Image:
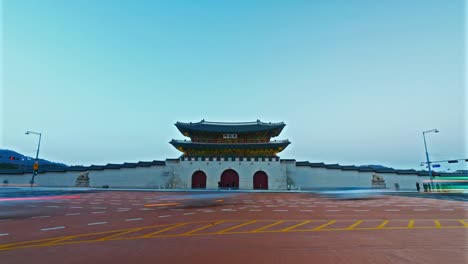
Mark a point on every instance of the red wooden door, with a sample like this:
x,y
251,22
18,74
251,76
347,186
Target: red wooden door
x,y
230,178
260,180
199,180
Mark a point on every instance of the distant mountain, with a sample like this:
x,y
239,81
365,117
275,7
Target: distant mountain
x,y
13,158
374,166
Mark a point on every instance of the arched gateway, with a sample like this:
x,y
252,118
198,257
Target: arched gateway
x,y
260,180
199,180
225,147
229,178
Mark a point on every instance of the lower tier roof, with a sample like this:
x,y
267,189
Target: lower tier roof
x,y
280,145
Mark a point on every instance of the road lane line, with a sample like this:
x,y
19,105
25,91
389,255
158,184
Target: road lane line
x,y
324,225
98,223
73,214
164,215
383,224
351,227
164,230
265,227
163,204
4,234
41,216
133,219
280,210
189,213
294,226
52,228
203,227
235,227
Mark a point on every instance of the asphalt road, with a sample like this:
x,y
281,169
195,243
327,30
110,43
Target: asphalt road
x,y
149,227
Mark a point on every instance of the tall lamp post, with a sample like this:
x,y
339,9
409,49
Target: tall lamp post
x,y
427,154
37,154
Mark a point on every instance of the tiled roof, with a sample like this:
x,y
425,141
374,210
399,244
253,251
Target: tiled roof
x,y
87,168
230,127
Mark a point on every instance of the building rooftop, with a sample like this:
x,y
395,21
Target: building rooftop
x,y
198,145
230,127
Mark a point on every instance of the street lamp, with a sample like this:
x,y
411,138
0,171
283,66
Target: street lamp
x,y
37,153
427,154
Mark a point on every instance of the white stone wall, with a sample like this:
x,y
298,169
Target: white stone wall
x,y
311,178
405,181
139,177
15,179
178,174
246,169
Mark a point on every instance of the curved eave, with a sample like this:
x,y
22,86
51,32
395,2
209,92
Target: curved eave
x,y
194,145
212,127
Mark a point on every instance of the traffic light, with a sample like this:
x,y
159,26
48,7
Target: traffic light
x,y
35,167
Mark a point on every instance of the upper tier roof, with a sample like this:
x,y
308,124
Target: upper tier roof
x,y
230,127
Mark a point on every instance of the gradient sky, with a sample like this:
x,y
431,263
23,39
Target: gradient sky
x,y
356,82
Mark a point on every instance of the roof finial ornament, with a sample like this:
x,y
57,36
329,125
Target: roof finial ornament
x,y
203,120
258,120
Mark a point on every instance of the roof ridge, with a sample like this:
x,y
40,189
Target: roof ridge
x,y
203,121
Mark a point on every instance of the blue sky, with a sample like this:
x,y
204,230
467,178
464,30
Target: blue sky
x,y
356,82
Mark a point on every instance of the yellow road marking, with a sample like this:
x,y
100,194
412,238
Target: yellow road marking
x,y
177,235
203,227
63,240
383,224
119,234
164,230
265,227
354,225
237,226
325,225
294,226
55,241
74,236
411,223
463,222
437,223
